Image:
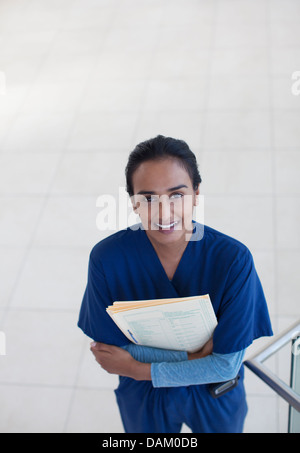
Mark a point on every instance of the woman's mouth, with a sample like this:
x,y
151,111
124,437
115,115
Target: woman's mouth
x,y
166,227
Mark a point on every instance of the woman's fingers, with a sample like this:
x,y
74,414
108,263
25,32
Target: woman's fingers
x,y
97,346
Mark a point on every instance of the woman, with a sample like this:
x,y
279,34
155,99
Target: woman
x,y
169,255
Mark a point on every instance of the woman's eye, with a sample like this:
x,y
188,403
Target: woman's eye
x,y
151,198
155,198
176,195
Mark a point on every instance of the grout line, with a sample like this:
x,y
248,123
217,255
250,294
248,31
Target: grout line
x,y
209,77
74,388
54,386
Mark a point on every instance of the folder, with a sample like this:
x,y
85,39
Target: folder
x,y
181,324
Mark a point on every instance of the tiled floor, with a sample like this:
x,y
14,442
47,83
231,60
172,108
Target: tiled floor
x,y
83,82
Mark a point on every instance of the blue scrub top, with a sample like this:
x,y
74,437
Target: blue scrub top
x,y
125,266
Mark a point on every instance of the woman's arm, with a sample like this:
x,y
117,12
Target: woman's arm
x,y
212,368
117,360
209,369
148,354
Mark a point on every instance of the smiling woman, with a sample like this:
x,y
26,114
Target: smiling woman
x,y
159,259
163,180
166,213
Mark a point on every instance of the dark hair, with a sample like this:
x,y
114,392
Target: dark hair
x,y
162,147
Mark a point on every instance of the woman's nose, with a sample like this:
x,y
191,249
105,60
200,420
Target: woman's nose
x,y
165,209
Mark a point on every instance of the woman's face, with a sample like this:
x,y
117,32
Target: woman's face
x,y
164,198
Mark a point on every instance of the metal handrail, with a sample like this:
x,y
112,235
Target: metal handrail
x,y
255,364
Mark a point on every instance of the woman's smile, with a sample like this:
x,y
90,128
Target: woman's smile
x,y
166,199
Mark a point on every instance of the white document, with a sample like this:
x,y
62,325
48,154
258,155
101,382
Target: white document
x,y
183,326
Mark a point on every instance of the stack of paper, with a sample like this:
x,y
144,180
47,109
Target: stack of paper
x,y
182,324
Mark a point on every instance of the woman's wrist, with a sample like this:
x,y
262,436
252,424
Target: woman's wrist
x,y
141,371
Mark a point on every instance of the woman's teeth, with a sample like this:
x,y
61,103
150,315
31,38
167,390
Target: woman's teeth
x,y
166,226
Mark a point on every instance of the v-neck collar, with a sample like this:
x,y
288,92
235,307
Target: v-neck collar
x,y
157,266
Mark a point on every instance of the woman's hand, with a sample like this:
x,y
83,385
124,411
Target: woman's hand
x,y
203,352
116,360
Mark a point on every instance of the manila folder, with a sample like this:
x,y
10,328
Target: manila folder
x,y
184,324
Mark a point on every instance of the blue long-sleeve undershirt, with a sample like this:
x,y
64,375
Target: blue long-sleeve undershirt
x,y
173,369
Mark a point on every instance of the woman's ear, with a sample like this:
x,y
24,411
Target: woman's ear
x,y
135,204
197,193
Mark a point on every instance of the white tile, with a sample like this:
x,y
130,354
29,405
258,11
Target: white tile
x,y
282,95
247,129
285,322
253,219
265,266
283,416
185,39
27,173
5,122
87,18
241,35
284,61
94,411
111,65
21,70
286,129
174,94
284,34
51,5
91,374
250,174
91,4
185,429
68,221
235,62
240,93
66,69
194,14
42,347
38,132
288,283
52,279
286,167
180,64
18,220
283,357
53,97
288,222
11,260
241,11
187,126
14,97
144,16
90,173
28,43
113,95
260,344
284,371
78,42
11,15
33,409
102,131
131,39
2,315
261,417
255,386
287,11
37,20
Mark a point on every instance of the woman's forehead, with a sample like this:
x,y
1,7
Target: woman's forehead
x,y
160,173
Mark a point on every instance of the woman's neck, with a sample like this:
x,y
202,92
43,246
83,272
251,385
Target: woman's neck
x,y
172,251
